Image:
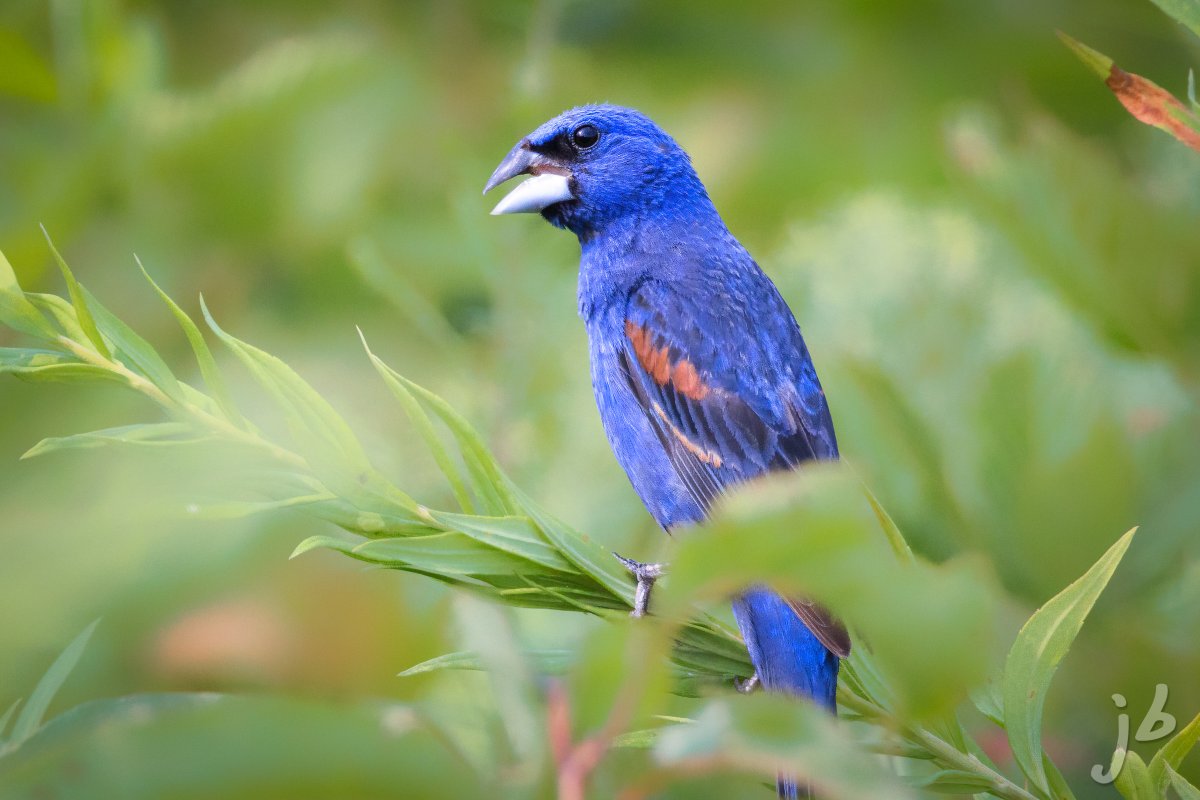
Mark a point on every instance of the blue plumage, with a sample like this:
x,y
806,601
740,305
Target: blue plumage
x,y
700,373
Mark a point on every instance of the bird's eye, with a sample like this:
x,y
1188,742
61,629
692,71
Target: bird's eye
x,y
585,136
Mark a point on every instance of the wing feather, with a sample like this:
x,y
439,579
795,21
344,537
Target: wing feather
x,y
720,426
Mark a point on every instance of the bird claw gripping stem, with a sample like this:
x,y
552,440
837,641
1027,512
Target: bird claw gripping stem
x,y
746,685
646,575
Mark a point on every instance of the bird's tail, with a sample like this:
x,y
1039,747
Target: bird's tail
x,y
787,657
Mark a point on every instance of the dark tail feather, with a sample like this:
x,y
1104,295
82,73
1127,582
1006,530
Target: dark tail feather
x,y
787,788
788,659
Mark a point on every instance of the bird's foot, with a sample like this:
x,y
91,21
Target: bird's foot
x,y
646,575
746,685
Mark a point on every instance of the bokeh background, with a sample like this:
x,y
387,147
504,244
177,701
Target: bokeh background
x,y
996,268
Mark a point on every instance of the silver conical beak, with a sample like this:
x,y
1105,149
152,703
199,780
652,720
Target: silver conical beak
x,y
550,184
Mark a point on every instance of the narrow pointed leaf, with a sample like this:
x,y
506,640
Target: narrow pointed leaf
x,y
516,535
240,510
253,747
1059,789
1096,61
765,735
1145,100
34,710
1171,754
322,434
204,357
31,364
1039,648
321,543
989,702
1133,781
7,716
1185,12
546,662
61,312
487,473
82,312
587,555
1182,786
452,553
161,434
890,529
16,311
132,350
952,781
643,739
420,419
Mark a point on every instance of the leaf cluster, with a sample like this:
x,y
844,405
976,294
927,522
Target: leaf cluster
x,y
921,631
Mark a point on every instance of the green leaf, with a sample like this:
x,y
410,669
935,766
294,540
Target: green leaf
x,y
812,533
31,364
7,716
1185,12
768,734
204,358
439,555
241,510
82,312
1145,100
516,535
1171,754
1059,789
486,629
487,477
952,781
61,312
16,311
894,536
418,417
132,350
159,434
321,543
31,715
637,740
450,553
989,701
326,441
1133,781
546,662
394,520
1039,648
1182,786
144,747
1096,61
589,557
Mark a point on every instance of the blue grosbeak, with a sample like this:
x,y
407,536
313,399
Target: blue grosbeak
x,y
700,373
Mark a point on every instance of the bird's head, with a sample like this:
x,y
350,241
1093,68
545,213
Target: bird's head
x,y
594,166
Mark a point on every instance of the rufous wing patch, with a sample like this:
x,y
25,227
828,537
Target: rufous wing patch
x,y
682,374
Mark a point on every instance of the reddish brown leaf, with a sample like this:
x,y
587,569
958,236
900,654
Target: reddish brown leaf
x,y
1154,105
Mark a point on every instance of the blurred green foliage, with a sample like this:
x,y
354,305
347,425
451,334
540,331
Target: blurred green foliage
x,y
994,266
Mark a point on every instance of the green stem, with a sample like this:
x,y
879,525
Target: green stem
x,y
949,755
217,424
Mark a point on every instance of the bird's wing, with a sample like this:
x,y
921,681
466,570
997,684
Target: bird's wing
x,y
730,395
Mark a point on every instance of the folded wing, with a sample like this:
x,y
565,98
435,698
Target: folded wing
x,y
726,404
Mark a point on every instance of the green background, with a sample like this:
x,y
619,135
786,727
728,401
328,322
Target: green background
x,y
996,268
